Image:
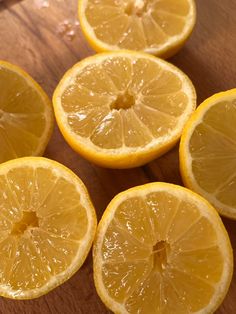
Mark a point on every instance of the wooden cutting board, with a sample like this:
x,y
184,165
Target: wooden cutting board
x,y
43,38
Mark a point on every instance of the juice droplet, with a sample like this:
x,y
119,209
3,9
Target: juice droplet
x,y
68,28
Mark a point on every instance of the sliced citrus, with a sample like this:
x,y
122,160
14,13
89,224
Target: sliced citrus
x,y
208,152
159,27
47,226
26,115
123,109
161,249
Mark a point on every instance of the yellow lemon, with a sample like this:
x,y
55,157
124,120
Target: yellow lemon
x,y
123,109
26,115
47,225
157,27
161,249
208,152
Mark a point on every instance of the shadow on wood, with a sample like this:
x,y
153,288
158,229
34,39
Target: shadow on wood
x,y
6,4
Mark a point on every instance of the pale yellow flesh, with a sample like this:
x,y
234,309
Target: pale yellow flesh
x,y
212,147
147,25
43,228
125,102
25,115
160,254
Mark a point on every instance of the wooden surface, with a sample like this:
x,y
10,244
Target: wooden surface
x,y
34,38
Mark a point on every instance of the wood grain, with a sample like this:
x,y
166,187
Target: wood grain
x,y
29,38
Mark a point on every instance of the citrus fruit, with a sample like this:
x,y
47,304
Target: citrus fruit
x,y
208,152
47,226
26,115
123,109
158,27
161,248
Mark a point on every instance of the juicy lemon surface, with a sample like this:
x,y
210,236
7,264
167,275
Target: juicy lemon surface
x,y
159,27
161,248
26,114
123,109
47,225
208,152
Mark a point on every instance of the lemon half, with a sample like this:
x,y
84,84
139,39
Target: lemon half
x,y
208,152
153,26
47,225
26,114
161,249
123,109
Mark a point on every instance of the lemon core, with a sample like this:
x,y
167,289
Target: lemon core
x,y
123,101
29,219
137,7
160,255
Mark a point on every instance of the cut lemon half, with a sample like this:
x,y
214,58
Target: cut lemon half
x,y
123,109
159,27
26,115
161,249
47,226
208,152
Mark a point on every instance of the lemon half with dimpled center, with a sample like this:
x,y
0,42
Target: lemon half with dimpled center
x,y
47,225
161,249
159,27
123,109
